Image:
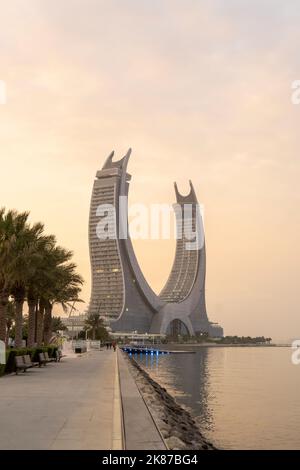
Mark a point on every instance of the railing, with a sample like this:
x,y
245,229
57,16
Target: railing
x,y
94,344
86,344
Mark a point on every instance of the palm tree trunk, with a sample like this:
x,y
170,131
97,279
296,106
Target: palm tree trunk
x,y
19,323
40,323
2,323
3,315
8,328
31,323
48,323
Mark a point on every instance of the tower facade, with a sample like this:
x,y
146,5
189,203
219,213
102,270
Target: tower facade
x,y
120,293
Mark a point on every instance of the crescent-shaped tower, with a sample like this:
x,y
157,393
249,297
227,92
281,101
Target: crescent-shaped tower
x,y
120,292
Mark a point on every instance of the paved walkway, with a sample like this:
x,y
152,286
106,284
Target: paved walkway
x,y
74,404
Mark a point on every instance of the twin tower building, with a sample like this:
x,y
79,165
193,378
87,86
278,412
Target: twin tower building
x,y
120,293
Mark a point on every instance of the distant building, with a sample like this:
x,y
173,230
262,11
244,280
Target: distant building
x,y
74,324
120,293
215,330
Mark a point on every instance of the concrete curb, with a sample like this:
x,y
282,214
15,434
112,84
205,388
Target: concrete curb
x,y
118,425
140,430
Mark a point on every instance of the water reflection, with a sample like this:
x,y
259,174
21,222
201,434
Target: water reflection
x,y
150,360
243,398
186,377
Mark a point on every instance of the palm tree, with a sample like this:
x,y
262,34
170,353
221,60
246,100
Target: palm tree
x,y
58,325
33,267
10,318
32,302
3,304
39,281
55,281
58,283
12,226
27,257
64,291
94,322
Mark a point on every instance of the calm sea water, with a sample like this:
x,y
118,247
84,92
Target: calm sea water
x,y
243,398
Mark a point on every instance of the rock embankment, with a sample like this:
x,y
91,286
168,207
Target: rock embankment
x,y
176,425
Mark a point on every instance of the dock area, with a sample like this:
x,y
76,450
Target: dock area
x,y
152,351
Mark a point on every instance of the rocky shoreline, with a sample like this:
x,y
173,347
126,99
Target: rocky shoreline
x,y
178,428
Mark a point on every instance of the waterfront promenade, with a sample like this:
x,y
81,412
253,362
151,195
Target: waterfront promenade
x,y
74,404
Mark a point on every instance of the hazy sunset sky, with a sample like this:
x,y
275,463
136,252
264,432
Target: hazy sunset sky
x,y
200,90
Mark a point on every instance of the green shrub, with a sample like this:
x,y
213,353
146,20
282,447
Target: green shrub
x,y
10,359
10,365
49,349
36,351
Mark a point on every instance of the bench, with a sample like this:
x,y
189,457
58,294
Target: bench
x,y
20,364
42,359
28,361
49,359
